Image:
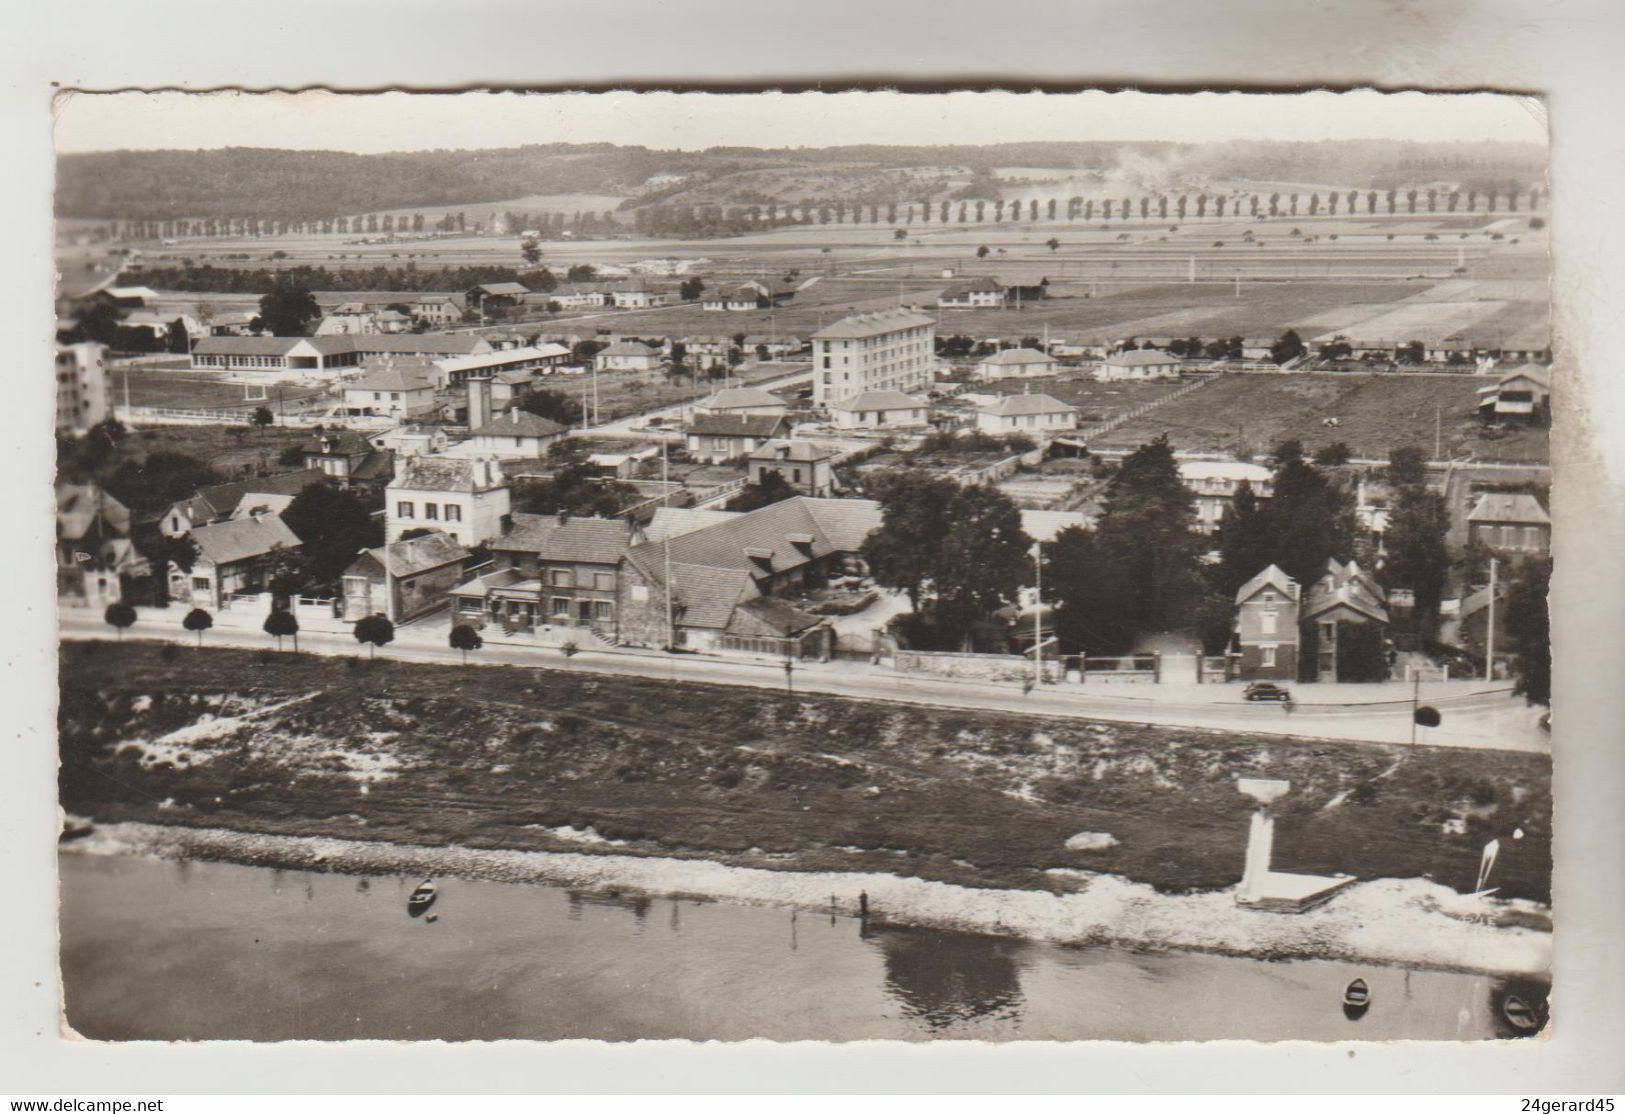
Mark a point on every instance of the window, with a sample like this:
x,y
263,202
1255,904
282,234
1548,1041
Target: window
x,y
561,607
603,581
562,578
200,584
403,509
603,611
640,593
454,513
431,512
1268,661
1267,623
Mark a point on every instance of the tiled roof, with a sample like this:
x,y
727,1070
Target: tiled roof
x,y
1511,507
388,375
506,289
737,398
344,442
1272,577
1532,372
736,425
1346,586
879,400
396,344
784,618
220,500
983,285
442,473
1011,405
835,525
861,325
426,344
628,348
481,585
519,423
596,541
672,522
239,539
419,554
804,451
1139,357
78,507
1020,356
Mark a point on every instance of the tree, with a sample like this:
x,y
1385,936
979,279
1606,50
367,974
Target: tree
x,y
332,526
981,252
119,615
531,252
906,549
160,480
1407,466
1288,347
771,488
983,560
581,272
261,417
281,623
690,289
1330,456
1418,557
1311,518
1246,542
1528,622
198,620
287,308
465,638
178,340
375,631
1145,534
556,405
1052,242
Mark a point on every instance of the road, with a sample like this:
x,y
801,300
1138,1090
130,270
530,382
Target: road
x,y
1475,720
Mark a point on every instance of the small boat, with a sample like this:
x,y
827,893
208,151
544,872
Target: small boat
x,y
1519,1015
1356,998
421,898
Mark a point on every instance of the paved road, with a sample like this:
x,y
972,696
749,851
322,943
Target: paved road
x,y
1494,720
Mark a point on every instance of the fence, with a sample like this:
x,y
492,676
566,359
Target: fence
x,y
1127,416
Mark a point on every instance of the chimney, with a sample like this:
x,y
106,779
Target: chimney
x,y
479,403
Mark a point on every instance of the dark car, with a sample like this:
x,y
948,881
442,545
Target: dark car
x,y
1264,690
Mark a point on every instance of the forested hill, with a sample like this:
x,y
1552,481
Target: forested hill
x,y
305,185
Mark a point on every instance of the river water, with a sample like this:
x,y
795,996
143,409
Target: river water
x,y
172,950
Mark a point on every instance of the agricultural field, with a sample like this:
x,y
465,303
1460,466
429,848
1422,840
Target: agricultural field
x,y
1248,414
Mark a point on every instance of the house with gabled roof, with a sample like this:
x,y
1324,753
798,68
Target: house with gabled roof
x,y
349,459
232,557
1033,414
629,355
700,588
404,580
467,498
881,410
807,467
93,545
742,400
717,438
1522,394
976,293
518,433
1343,624
392,389
1139,363
219,502
1512,523
1265,634
550,571
1017,363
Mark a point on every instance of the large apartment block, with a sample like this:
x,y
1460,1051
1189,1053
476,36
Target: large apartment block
x,y
82,388
888,350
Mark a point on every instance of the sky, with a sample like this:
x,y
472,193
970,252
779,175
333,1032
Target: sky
x,y
374,122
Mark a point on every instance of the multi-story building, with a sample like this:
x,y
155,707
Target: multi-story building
x,y
1266,628
466,499
81,387
1213,485
888,350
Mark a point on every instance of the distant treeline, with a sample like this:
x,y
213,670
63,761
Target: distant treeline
x,y
283,185
233,280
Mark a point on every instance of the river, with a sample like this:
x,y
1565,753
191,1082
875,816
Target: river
x,y
175,950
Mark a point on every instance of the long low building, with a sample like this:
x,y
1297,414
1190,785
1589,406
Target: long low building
x,y
318,355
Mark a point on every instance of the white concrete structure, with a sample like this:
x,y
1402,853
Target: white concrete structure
x,y
389,391
1034,415
81,387
466,498
888,350
1017,363
1139,363
881,410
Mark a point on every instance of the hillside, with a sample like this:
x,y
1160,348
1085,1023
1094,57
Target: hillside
x,y
282,185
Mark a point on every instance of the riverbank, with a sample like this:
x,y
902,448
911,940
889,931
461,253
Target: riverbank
x,y
534,759
1408,923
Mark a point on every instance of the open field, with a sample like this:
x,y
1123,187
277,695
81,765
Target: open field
x,y
229,450
266,742
1249,414
194,390
1097,401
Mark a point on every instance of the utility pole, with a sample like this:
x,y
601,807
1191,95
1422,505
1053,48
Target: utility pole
x,y
1438,450
1038,613
1416,699
1489,635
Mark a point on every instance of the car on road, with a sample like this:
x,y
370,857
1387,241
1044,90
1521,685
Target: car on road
x,y
1264,690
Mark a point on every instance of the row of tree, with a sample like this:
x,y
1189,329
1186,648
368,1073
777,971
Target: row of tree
x,y
713,219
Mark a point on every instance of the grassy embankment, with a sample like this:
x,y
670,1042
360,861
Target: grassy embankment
x,y
434,755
